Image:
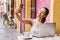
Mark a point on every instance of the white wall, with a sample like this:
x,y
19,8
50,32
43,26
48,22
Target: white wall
x,y
51,10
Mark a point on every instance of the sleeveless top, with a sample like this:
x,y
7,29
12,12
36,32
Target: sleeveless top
x,y
35,28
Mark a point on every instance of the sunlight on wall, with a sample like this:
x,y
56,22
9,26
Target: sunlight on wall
x,y
27,14
51,10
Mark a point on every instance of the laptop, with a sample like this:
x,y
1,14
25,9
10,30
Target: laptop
x,y
46,30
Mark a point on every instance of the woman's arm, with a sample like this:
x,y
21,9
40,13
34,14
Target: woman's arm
x,y
23,20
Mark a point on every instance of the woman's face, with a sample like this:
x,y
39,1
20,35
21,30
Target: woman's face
x,y
42,13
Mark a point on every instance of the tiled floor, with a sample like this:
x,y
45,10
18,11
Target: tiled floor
x,y
7,33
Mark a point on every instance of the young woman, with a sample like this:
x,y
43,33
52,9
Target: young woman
x,y
41,18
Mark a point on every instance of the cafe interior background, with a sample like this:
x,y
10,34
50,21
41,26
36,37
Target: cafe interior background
x,y
30,10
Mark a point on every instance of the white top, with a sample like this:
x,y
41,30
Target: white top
x,y
34,29
1,8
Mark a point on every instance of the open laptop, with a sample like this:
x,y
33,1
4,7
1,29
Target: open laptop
x,y
46,30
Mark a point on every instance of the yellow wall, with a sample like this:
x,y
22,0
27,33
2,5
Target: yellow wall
x,y
16,5
27,14
56,15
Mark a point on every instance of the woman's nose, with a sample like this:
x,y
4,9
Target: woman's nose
x,y
42,14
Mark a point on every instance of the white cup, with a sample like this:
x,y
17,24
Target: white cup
x,y
27,34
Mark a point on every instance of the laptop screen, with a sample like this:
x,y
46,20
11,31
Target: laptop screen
x,y
46,29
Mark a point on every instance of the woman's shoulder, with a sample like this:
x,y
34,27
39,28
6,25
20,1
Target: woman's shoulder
x,y
34,20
